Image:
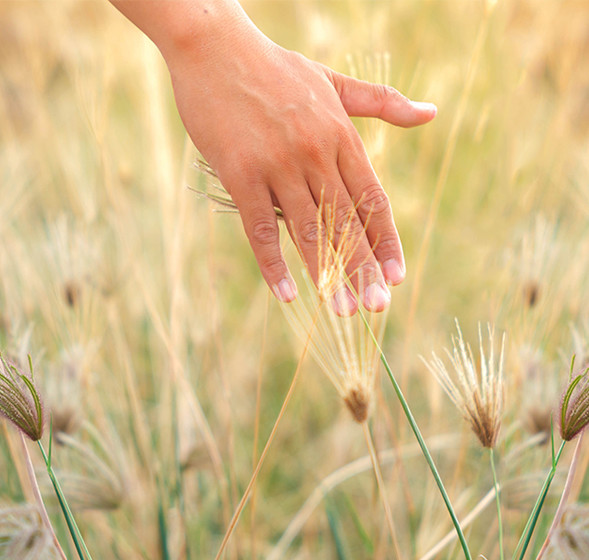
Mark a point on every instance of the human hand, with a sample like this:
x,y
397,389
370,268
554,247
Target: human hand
x,y
275,127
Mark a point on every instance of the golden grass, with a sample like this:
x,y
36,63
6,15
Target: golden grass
x,y
145,314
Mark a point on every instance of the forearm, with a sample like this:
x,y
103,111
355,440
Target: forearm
x,y
176,26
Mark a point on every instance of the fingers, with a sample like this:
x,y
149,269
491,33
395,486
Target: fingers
x,y
261,227
308,231
350,239
364,99
374,209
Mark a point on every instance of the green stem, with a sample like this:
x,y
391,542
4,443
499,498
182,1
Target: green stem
x,y
420,441
79,543
524,541
498,502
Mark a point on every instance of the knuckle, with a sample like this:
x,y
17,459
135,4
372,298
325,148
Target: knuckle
x,y
345,221
271,263
264,232
374,200
387,245
315,150
308,231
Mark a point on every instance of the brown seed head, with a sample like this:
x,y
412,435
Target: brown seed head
x,y
357,399
574,406
20,403
538,420
339,342
478,392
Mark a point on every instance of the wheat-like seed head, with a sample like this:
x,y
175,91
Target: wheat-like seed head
x,y
477,391
339,342
20,403
574,406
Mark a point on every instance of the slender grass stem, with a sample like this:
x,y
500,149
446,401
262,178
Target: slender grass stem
x,y
565,495
253,504
485,501
524,540
421,441
497,501
381,488
79,543
39,497
248,490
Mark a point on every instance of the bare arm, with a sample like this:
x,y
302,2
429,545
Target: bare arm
x,y
275,127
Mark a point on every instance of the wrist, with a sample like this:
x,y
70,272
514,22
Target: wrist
x,y
198,29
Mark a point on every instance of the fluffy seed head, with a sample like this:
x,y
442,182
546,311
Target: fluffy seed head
x,y
23,534
478,392
96,479
570,540
20,403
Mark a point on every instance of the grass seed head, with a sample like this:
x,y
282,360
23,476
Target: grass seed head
x,y
20,402
574,405
538,420
570,540
339,341
358,399
23,534
478,389
96,479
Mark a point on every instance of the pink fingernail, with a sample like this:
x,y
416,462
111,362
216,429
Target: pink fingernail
x,y
423,106
393,272
285,290
376,297
344,303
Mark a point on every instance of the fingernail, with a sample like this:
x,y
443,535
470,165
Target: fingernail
x,y
344,303
393,272
285,290
423,106
376,297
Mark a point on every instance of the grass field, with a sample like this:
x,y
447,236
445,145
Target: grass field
x,y
163,358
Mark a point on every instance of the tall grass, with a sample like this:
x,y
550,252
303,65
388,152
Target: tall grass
x,y
161,359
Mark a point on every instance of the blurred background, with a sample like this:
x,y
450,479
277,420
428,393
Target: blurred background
x,y
161,355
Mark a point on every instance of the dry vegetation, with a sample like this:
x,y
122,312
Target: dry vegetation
x,y
164,361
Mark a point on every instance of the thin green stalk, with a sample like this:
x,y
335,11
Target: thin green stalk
x,y
564,497
38,498
79,543
524,540
498,501
421,441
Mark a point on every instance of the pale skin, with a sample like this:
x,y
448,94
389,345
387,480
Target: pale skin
x,y
275,127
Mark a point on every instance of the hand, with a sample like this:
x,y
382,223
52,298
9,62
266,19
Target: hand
x,y
275,127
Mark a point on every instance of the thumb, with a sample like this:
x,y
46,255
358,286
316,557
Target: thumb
x,y
364,99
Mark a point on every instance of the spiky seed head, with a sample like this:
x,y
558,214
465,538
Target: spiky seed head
x,y
20,402
339,341
478,393
23,534
99,481
574,405
570,539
